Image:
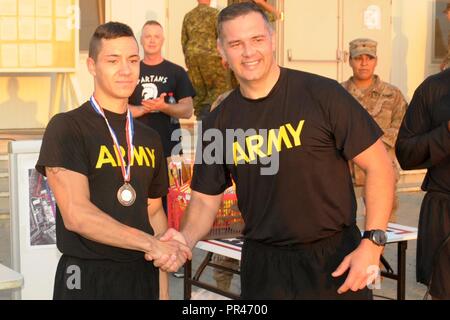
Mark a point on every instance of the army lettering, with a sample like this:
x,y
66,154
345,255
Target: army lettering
x,y
286,137
143,156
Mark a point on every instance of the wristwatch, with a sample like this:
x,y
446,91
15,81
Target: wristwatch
x,y
376,236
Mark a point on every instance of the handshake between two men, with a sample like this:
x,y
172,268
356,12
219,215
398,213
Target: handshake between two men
x,y
170,251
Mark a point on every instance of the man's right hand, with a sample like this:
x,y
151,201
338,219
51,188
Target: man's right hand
x,y
170,251
169,254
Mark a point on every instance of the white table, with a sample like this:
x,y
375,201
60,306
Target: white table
x,y
396,233
9,279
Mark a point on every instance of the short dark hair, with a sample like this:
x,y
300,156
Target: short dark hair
x,y
109,30
237,10
152,23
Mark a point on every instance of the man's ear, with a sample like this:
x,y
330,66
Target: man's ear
x,y
91,66
273,38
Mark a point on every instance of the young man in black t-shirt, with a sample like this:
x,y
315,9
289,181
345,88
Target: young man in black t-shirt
x,y
157,79
108,175
301,238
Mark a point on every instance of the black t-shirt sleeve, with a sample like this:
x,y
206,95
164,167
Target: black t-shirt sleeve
x,y
209,178
184,86
422,143
353,128
160,182
63,146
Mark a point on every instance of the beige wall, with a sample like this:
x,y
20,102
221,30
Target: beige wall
x,y
411,43
24,101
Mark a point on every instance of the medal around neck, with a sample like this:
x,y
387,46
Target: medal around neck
x,y
126,195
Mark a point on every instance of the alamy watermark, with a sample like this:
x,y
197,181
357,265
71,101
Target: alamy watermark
x,y
73,281
236,147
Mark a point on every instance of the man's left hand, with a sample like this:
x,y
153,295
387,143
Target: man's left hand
x,y
360,262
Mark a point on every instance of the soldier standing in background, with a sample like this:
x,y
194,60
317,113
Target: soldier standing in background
x,y
205,69
158,78
444,64
384,102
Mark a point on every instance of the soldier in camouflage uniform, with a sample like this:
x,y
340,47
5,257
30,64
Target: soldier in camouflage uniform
x,y
444,64
199,41
384,102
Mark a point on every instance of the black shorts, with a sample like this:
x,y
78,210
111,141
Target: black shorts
x,y
300,271
81,279
434,227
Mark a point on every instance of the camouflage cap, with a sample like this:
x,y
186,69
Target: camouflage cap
x,y
447,8
363,46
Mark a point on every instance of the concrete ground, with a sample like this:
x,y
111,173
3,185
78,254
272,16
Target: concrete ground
x,y
408,215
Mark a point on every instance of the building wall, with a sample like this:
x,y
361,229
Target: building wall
x,y
412,22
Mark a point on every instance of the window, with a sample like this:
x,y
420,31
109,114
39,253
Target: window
x,y
441,31
92,14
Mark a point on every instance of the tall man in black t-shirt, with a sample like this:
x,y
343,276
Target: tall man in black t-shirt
x,y
108,175
301,238
157,79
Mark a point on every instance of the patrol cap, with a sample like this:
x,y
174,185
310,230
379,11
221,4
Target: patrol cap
x,y
447,8
363,46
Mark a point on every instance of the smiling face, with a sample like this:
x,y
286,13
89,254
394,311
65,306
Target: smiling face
x,y
363,67
116,68
248,46
152,39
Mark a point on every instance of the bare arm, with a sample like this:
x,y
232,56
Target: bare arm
x,y
81,216
380,185
199,216
379,193
158,221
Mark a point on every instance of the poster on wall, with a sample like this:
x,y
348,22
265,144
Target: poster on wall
x,y
33,233
42,211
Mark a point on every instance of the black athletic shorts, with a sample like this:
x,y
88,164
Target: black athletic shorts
x,y
81,279
433,259
300,271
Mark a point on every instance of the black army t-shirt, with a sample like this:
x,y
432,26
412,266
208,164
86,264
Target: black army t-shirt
x,y
79,141
165,77
315,127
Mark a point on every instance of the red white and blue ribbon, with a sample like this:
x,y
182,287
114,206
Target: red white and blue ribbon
x,y
129,132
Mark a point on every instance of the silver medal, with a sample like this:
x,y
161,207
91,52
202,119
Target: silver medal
x,y
126,195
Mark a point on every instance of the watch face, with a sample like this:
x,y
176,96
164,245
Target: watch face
x,y
379,237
